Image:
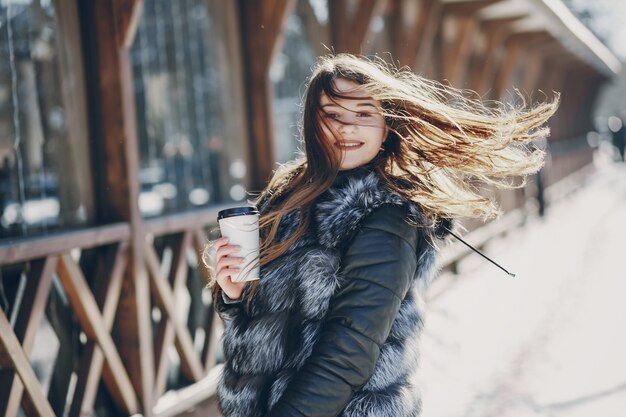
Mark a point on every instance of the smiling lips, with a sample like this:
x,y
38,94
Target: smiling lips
x,y
349,145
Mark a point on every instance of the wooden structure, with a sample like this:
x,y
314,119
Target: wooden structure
x,y
124,277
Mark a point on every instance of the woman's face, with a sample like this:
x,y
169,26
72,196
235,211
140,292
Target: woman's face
x,y
355,127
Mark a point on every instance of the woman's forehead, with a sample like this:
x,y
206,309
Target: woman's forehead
x,y
351,104
355,96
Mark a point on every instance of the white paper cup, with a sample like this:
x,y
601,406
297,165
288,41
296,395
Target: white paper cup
x,y
241,226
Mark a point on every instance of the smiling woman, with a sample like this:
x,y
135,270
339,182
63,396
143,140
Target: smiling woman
x,y
349,236
354,125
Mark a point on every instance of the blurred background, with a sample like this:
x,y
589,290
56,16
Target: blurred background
x,y
126,125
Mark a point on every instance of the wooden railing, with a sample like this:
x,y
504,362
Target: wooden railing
x,y
87,268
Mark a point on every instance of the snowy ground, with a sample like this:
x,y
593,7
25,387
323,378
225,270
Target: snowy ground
x,y
550,342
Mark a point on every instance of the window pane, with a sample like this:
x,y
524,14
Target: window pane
x,y
304,32
44,159
190,121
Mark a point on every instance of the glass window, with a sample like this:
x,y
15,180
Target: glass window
x,y
190,113
305,32
45,180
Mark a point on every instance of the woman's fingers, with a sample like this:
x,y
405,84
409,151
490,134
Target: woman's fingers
x,y
219,242
232,289
227,261
223,259
227,250
224,276
227,266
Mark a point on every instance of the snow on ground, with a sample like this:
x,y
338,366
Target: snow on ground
x,y
550,342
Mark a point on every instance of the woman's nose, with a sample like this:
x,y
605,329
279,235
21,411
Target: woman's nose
x,y
346,127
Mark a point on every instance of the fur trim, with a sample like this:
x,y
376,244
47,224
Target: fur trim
x,y
274,332
339,216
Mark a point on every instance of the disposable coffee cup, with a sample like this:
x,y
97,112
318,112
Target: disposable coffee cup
x,y
241,226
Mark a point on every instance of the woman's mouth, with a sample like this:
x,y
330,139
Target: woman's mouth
x,y
348,146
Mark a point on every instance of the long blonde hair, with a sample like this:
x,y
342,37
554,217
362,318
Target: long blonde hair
x,y
441,145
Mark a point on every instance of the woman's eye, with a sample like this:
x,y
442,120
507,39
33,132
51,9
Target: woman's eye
x,y
363,115
331,115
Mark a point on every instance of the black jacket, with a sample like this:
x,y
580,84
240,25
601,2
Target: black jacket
x,y
332,327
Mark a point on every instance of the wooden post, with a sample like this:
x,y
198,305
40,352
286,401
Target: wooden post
x,y
407,39
495,32
349,31
13,357
554,79
39,279
508,65
431,21
456,58
261,26
114,23
532,69
318,34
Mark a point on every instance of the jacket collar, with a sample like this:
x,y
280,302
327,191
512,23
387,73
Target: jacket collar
x,y
352,197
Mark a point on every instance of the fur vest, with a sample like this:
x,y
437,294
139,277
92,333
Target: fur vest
x,y
297,288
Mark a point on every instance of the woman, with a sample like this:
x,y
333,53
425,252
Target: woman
x,y
349,236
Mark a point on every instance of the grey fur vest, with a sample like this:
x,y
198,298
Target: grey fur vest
x,y
268,338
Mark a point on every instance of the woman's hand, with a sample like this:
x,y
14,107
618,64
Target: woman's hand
x,y
226,266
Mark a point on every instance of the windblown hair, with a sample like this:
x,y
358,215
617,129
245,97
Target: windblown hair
x,y
441,145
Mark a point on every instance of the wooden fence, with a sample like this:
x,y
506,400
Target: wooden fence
x,y
90,267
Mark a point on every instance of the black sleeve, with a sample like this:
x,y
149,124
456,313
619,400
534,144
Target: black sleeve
x,y
378,267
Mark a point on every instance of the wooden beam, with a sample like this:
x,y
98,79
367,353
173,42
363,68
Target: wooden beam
x,y
318,34
530,37
507,67
176,403
516,44
165,335
12,356
431,22
180,222
213,325
466,7
166,302
495,32
501,23
31,308
275,12
590,81
116,123
136,328
406,38
349,32
261,25
532,69
107,289
533,63
117,117
37,247
93,324
456,57
127,15
567,60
